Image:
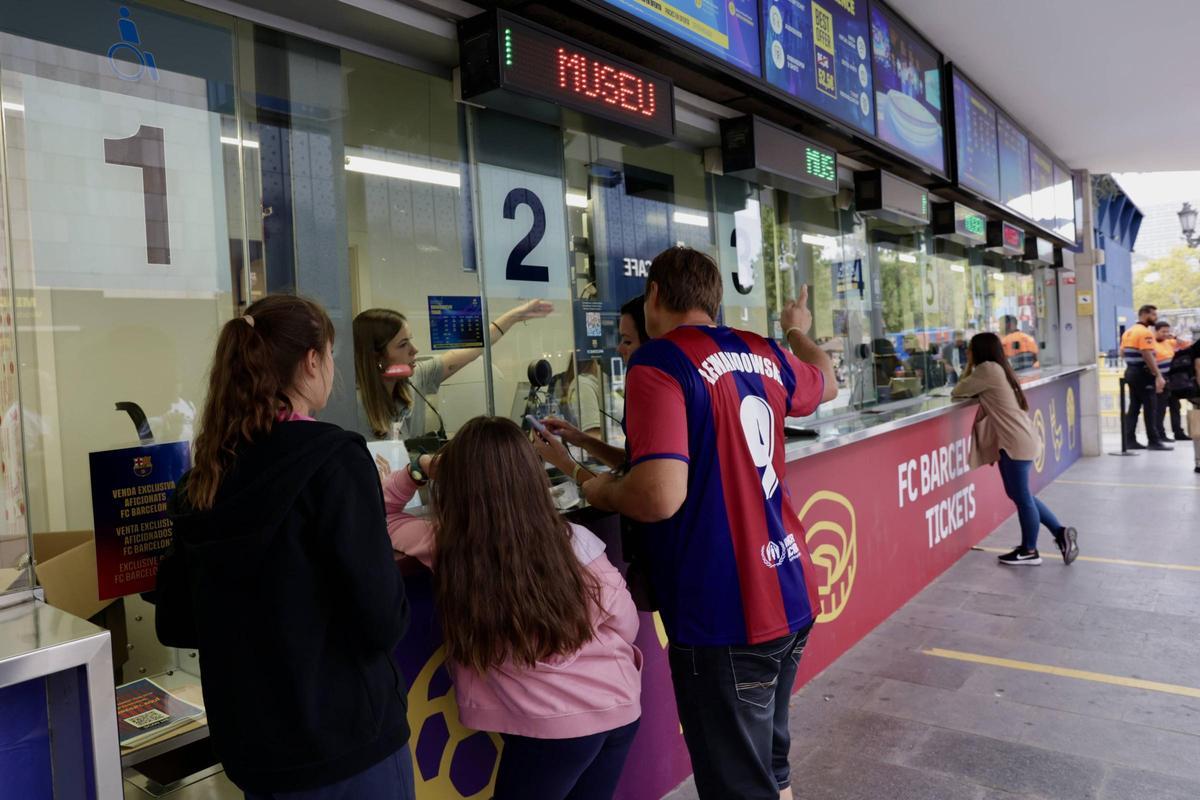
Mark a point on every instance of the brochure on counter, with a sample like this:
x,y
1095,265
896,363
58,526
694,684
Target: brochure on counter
x,y
146,711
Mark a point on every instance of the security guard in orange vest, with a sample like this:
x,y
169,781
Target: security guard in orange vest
x,y
1021,348
1164,350
1144,379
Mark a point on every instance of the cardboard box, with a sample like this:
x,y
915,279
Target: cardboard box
x,y
65,565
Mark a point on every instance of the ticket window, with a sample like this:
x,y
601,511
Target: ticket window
x,y
409,250
124,155
819,245
1046,311
524,256
1013,314
904,352
625,205
953,317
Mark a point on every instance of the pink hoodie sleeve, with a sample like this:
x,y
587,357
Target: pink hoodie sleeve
x,y
617,609
410,535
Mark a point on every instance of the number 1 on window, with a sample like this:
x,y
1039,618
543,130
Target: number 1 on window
x,y
145,151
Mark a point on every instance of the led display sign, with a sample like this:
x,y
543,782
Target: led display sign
x,y
1005,238
762,152
958,223
503,55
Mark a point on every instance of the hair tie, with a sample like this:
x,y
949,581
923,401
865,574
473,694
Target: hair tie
x,y
249,320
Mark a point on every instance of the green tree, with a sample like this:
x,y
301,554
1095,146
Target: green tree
x,y
1169,282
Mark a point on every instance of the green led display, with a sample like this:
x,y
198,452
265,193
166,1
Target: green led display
x,y
975,224
821,164
925,204
508,47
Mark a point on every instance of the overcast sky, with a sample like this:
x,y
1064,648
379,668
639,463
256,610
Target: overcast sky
x,y
1152,188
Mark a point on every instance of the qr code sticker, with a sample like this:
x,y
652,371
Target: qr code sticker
x,y
148,718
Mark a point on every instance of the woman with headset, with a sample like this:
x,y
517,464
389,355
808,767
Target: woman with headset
x,y
391,406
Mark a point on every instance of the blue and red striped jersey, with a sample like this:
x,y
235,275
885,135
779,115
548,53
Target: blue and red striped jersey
x,y
731,566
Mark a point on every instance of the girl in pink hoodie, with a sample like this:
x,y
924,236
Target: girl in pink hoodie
x,y
538,624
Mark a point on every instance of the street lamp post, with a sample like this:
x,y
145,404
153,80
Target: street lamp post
x,y
1187,221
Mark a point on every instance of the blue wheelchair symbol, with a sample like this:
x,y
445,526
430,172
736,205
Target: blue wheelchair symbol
x,y
138,58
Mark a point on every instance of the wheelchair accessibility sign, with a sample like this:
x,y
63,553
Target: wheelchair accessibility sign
x,y
127,58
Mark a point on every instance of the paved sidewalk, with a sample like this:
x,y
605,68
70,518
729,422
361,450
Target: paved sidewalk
x,y
986,719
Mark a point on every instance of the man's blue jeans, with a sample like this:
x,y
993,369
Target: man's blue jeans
x,y
1032,512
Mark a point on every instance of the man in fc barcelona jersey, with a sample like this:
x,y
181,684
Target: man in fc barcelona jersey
x,y
704,409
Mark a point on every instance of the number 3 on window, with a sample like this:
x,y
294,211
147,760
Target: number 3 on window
x,y
758,425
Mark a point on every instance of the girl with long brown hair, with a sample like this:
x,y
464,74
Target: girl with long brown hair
x,y
1003,433
538,624
281,576
394,407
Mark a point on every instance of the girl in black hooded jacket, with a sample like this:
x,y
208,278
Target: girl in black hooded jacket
x,y
282,576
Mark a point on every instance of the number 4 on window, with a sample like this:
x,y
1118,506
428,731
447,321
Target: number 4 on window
x,y
145,151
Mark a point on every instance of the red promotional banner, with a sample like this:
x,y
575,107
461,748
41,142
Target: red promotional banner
x,y
886,516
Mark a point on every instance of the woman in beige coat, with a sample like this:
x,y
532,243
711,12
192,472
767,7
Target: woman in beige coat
x,y
1004,434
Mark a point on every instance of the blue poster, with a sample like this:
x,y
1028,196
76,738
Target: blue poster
x,y
908,91
727,29
816,51
975,134
455,322
130,491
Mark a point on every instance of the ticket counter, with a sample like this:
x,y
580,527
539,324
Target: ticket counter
x,y
165,165
888,503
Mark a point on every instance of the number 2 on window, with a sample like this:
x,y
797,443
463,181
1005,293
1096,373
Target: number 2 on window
x,y
517,269
758,425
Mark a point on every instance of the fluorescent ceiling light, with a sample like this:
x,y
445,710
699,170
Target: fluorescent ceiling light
x,y
683,218
575,200
233,140
17,107
957,268
907,258
405,172
817,240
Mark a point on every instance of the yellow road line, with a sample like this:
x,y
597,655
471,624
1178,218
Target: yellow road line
x,y
1122,561
1065,672
1193,487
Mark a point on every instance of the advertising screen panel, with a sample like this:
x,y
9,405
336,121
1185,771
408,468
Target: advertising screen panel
x,y
818,52
908,91
726,29
975,140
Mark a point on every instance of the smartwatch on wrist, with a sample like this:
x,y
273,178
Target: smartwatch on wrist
x,y
416,473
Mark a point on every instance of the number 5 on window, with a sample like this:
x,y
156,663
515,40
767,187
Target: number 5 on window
x,y
145,151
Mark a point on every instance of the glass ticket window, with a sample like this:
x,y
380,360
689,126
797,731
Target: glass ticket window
x,y
1012,314
525,265
123,161
413,282
1046,311
820,246
626,205
904,346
